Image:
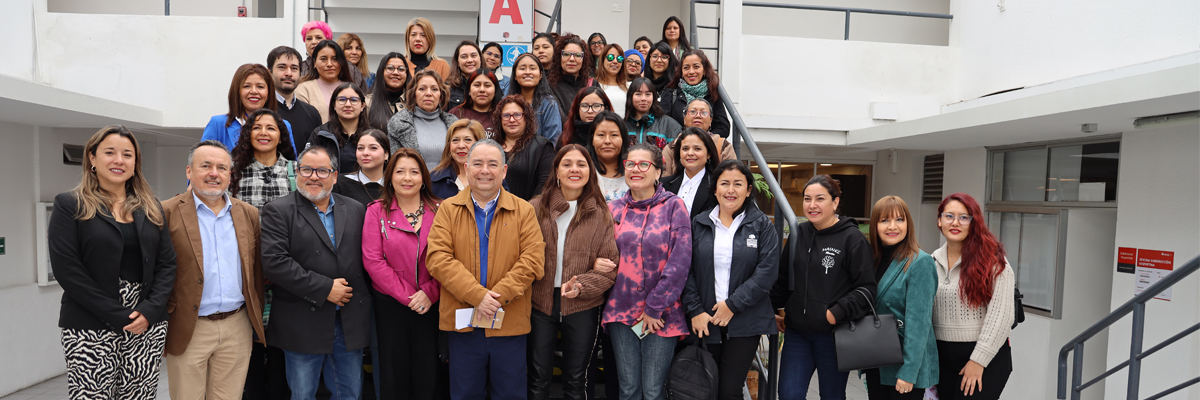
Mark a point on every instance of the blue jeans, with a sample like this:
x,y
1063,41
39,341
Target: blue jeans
x,y
804,352
478,361
343,370
642,364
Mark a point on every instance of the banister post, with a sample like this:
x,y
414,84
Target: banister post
x,y
1135,350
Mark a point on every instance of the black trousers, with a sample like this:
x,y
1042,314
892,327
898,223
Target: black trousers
x,y
267,376
734,357
879,391
578,338
953,356
408,350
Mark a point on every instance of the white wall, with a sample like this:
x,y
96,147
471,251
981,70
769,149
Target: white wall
x,y
830,85
1037,341
159,62
1158,192
30,338
863,27
16,25
584,17
906,183
191,8
1035,42
966,172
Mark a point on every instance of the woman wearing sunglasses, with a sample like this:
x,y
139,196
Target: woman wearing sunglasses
x,y
973,307
571,68
530,156
611,77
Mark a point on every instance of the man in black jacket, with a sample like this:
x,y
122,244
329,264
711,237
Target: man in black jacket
x,y
284,63
312,251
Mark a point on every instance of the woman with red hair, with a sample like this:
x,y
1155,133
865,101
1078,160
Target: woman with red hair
x,y
973,308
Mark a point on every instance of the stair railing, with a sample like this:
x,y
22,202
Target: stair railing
x,y
1137,306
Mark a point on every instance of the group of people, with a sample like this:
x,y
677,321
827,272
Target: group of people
x,y
460,228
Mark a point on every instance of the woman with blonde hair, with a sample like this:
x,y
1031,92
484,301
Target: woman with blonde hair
x,y
450,175
421,41
112,254
907,284
356,56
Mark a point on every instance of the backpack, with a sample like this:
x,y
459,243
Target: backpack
x,y
693,374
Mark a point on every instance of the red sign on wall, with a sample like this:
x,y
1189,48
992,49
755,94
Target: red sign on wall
x,y
1153,266
1126,259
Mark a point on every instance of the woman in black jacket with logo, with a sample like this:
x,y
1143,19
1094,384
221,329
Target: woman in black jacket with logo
x,y
735,260
825,263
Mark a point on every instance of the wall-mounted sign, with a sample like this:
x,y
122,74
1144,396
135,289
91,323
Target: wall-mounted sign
x,y
1152,266
1126,259
505,21
511,51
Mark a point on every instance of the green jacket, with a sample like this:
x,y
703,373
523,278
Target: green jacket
x,y
909,295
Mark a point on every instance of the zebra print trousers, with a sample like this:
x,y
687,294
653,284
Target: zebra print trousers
x,y
114,365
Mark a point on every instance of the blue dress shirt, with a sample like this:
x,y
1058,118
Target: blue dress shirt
x,y
228,135
483,222
222,263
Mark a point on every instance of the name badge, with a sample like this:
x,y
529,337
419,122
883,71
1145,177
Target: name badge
x,y
752,242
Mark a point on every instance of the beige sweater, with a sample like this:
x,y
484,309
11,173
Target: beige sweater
x,y
955,321
310,92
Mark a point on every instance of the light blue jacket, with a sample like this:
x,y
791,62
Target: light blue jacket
x,y
228,135
909,295
549,119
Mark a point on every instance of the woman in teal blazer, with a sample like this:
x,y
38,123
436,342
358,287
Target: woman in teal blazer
x,y
907,284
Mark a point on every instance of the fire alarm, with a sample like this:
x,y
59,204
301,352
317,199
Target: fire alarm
x,y
241,11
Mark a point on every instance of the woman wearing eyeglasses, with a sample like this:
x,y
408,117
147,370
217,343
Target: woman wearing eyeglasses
x,y
643,315
973,308
647,123
531,84
346,108
422,124
389,95
699,115
610,76
530,156
596,45
571,69
661,64
493,59
635,62
589,102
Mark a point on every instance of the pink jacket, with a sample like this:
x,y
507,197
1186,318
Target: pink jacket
x,y
395,256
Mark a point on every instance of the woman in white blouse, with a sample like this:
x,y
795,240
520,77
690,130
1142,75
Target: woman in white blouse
x,y
695,150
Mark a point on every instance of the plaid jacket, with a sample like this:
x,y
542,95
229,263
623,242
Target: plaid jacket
x,y
260,184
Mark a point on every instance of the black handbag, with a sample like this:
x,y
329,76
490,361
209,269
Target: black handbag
x,y
1018,308
872,341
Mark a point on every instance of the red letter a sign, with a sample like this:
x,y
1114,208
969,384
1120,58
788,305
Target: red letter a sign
x,y
506,7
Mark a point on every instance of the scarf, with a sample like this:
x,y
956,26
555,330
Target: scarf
x,y
393,98
692,92
661,82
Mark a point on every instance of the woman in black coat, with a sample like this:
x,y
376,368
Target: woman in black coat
x,y
694,79
112,254
735,261
696,154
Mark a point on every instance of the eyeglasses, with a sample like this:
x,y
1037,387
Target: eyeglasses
x,y
643,166
391,69
597,43
611,57
701,113
322,173
595,107
352,100
633,63
659,57
513,116
491,54
567,54
962,219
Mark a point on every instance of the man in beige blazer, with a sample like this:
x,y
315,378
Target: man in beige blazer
x,y
216,308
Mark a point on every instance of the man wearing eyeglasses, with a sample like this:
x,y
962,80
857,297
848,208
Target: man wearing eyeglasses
x,y
486,249
312,252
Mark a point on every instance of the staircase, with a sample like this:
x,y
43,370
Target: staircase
x,y
381,23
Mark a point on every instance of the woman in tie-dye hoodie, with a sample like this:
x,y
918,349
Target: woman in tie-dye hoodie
x,y
654,236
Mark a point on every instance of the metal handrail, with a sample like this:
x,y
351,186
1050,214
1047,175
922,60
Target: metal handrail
x,y
1137,306
847,10
555,17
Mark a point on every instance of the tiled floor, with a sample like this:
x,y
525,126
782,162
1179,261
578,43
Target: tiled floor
x,y
56,389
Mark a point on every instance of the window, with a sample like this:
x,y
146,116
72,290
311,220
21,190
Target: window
x,y
1031,240
1031,190
1084,174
